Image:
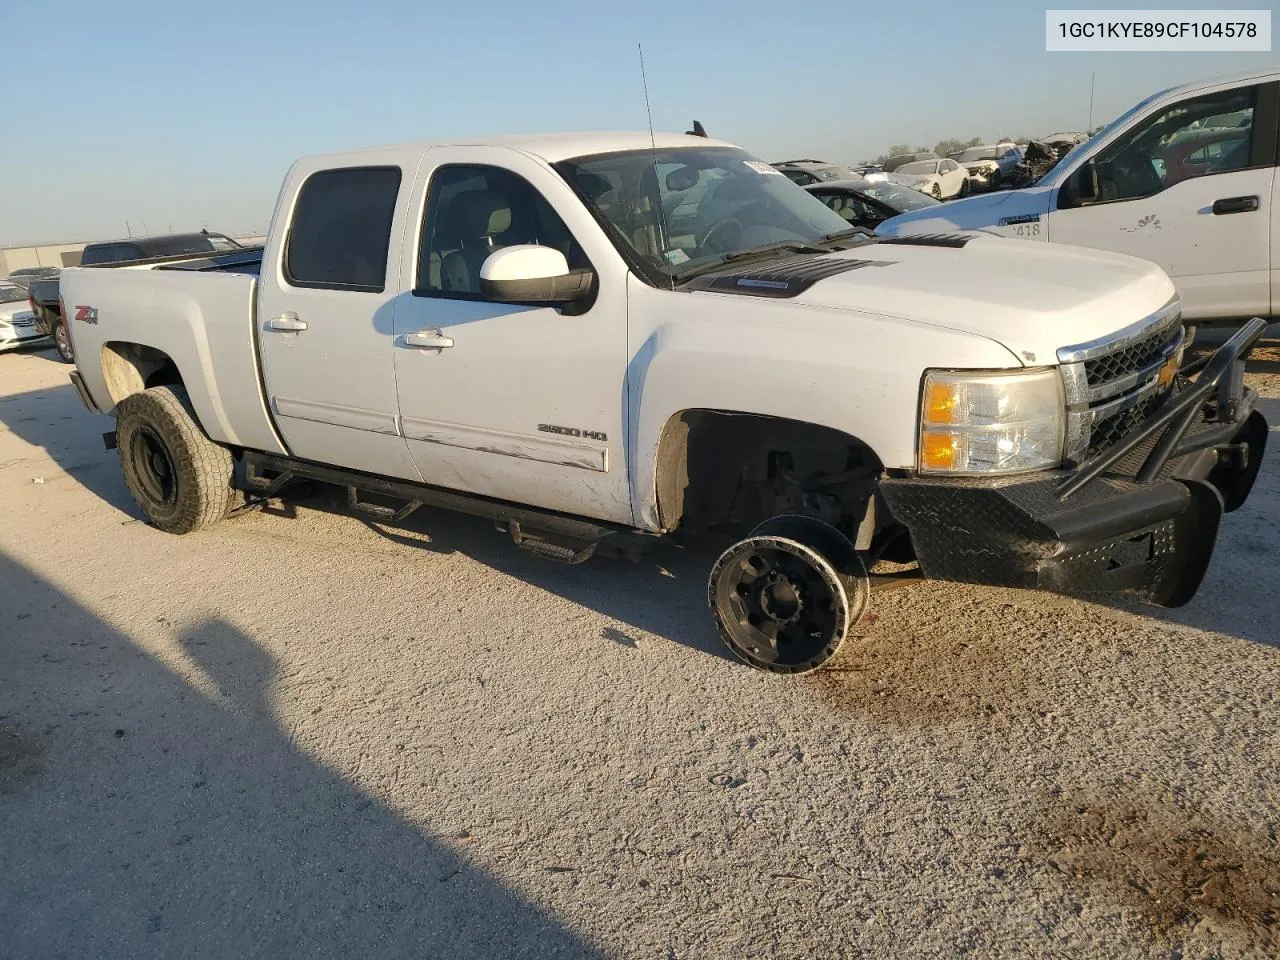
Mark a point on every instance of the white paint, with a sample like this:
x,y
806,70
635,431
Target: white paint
x,y
1224,266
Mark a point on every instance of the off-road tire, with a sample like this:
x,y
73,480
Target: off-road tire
x,y
179,477
62,341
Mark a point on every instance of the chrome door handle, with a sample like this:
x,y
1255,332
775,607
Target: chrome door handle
x,y
287,322
428,340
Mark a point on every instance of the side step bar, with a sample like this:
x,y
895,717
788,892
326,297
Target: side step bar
x,y
555,536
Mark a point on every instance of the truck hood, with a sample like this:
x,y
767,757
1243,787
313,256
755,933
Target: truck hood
x,y
981,212
1031,298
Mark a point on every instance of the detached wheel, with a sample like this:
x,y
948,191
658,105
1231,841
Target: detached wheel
x,y
784,597
179,477
62,341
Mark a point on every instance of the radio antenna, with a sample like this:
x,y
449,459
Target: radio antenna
x,y
653,148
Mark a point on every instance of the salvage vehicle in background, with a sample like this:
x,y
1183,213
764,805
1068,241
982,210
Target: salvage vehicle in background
x,y
24,276
866,204
17,320
941,179
805,172
1212,226
455,324
43,293
989,166
897,160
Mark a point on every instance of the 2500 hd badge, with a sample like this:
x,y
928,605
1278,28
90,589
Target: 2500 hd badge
x,y
572,432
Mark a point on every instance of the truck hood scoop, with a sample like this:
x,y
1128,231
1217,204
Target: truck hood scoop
x,y
784,278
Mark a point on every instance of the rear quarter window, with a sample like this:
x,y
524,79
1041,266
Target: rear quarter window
x,y
341,229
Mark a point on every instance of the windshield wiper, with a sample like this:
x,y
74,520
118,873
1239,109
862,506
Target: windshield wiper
x,y
787,246
846,235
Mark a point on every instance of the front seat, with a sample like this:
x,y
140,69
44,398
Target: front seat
x,y
477,218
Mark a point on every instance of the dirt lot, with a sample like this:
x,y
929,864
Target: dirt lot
x,y
300,734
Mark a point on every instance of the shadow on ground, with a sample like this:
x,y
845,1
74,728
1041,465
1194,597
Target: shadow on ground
x,y
144,818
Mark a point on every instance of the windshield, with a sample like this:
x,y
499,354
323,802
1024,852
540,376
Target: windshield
x,y
11,293
1062,166
901,199
919,167
670,211
978,153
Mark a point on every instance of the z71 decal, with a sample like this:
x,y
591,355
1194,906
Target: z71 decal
x,y
1027,225
87,314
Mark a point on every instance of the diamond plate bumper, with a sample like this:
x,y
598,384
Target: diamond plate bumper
x,y
1141,519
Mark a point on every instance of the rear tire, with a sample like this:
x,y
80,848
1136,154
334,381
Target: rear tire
x,y
62,341
936,190
179,477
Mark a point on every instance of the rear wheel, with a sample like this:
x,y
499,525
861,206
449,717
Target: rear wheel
x,y
179,477
936,190
784,597
62,341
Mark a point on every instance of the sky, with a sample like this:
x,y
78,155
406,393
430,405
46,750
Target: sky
x,y
148,116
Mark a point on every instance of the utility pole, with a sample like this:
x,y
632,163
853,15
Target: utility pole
x,y
1089,129
128,229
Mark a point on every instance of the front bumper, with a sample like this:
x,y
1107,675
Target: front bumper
x,y
1141,517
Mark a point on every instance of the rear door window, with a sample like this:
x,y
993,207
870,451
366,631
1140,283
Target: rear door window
x,y
341,229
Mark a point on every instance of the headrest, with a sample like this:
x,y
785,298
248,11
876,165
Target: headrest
x,y
480,213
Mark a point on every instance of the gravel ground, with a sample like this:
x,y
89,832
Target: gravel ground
x,y
299,734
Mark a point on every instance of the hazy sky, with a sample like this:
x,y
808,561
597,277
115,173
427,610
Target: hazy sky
x,y
182,115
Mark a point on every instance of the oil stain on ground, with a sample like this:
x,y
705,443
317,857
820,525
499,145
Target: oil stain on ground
x,y
1172,867
19,759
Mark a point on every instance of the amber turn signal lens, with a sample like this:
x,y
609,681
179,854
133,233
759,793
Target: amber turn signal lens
x,y
940,403
939,451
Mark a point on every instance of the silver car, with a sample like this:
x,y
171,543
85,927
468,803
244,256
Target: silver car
x,y
17,319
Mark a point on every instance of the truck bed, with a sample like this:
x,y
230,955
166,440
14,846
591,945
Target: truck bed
x,y
196,312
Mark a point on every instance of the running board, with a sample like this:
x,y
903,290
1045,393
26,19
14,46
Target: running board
x,y
546,533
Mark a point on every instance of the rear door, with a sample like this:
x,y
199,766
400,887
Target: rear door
x,y
324,317
1189,187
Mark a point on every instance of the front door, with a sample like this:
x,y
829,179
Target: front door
x,y
325,315
521,403
1190,189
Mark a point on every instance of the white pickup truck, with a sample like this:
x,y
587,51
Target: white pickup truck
x,y
599,340
1185,179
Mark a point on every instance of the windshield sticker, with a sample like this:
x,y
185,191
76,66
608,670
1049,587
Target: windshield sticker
x,y
762,168
676,256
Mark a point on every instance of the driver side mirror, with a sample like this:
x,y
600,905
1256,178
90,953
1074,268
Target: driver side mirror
x,y
533,274
1086,183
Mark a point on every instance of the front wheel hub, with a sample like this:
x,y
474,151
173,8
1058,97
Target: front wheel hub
x,y
779,604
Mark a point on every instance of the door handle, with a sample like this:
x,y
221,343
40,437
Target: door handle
x,y
428,340
1235,205
287,323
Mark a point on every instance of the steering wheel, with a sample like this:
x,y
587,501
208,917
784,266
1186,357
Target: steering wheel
x,y
722,244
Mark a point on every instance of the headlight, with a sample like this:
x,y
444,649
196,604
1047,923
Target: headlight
x,y
990,422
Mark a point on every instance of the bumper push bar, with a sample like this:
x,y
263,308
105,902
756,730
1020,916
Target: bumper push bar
x,y
1140,517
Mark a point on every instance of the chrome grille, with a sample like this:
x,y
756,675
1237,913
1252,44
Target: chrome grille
x,y
1107,431
1113,384
1148,352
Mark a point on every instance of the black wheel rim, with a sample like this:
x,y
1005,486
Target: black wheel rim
x,y
779,604
153,467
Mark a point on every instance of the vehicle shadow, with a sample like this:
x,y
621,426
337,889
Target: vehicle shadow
x,y
148,814
55,422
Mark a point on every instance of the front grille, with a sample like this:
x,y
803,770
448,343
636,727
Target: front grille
x,y
1107,432
1137,356
1113,385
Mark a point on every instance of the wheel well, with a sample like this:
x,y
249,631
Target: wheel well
x,y
130,368
718,467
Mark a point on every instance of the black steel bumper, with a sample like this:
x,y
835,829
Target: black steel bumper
x,y
1140,517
